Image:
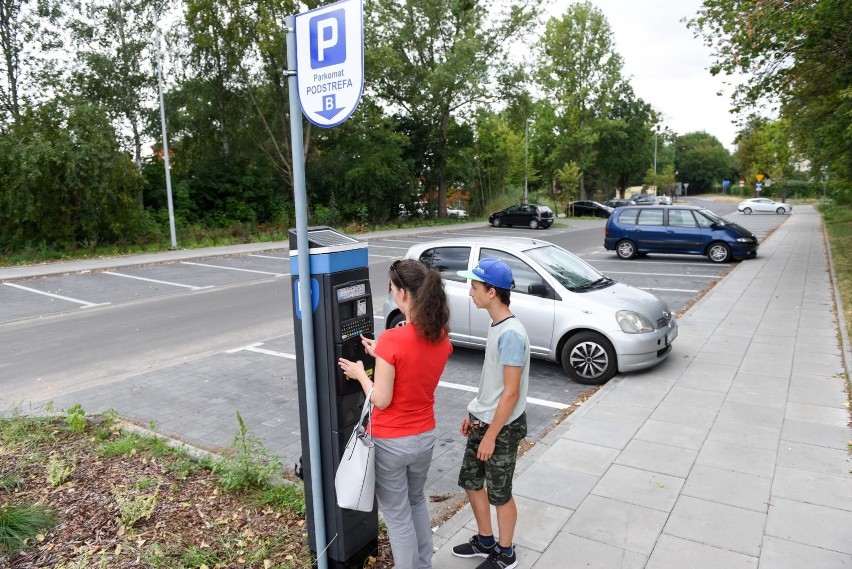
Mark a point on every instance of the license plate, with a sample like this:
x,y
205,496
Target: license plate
x,y
671,336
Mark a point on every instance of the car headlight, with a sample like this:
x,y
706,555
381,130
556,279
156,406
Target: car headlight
x,y
745,239
633,322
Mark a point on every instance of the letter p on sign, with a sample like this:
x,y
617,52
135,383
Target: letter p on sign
x,y
328,39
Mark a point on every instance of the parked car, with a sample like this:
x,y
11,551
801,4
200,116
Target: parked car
x,y
647,199
682,229
764,204
588,209
530,215
574,315
618,202
455,212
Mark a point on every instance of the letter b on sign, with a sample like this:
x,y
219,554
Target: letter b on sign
x,y
328,39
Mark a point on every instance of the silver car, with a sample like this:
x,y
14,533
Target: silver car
x,y
573,314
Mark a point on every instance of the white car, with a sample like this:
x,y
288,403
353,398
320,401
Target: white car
x,y
764,204
573,314
454,212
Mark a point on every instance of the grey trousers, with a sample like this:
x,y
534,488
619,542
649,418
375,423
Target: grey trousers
x,y
401,468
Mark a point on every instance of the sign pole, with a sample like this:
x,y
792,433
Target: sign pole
x,y
302,247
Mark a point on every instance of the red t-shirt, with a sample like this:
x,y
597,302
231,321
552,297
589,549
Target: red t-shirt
x,y
418,365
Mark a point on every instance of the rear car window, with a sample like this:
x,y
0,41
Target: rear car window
x,y
650,216
447,260
628,216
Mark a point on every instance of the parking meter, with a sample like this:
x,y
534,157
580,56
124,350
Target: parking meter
x,y
342,310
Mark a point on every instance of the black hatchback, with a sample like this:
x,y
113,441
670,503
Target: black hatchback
x,y
530,215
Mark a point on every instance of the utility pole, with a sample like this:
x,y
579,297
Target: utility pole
x,y
165,144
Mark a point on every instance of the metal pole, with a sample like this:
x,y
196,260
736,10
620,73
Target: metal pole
x,y
301,203
655,161
165,145
526,159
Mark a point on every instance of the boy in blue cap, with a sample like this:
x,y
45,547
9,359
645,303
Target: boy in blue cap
x,y
496,422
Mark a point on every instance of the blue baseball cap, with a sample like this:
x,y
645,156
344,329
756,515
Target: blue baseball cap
x,y
490,271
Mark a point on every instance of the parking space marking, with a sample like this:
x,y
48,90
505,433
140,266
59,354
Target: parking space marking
x,y
254,348
191,287
531,400
689,275
385,256
276,275
673,262
57,296
271,257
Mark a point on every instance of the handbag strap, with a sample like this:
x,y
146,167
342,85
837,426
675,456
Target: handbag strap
x,y
367,411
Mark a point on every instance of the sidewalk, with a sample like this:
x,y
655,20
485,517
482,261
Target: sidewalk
x,y
732,454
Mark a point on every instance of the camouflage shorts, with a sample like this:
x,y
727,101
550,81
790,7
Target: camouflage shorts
x,y
497,472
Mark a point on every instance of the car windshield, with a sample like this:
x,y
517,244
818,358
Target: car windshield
x,y
713,217
571,272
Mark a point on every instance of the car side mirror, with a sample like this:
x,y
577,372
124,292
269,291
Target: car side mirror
x,y
538,289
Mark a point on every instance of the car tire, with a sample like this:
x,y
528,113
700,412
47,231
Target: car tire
x,y
747,211
589,358
496,222
533,224
397,320
780,211
718,252
625,249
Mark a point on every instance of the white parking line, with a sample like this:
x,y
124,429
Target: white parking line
x,y
665,275
271,257
276,275
58,296
531,400
669,289
191,287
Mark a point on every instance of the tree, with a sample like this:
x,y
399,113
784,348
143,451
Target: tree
x,y
435,59
702,161
578,72
765,147
113,41
798,54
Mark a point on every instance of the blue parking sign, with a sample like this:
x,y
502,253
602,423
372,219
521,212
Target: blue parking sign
x,y
330,61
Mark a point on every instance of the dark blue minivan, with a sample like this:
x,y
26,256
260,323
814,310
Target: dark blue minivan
x,y
681,229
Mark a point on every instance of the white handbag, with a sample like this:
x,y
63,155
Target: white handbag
x,y
355,479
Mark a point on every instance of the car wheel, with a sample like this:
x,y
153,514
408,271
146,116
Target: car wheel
x,y
780,211
589,358
533,224
719,252
625,249
747,211
397,320
496,222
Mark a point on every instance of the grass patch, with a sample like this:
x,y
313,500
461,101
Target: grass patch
x,y
21,526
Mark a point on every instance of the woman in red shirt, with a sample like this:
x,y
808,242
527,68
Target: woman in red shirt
x,y
409,362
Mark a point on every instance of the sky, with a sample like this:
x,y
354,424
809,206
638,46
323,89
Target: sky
x,y
668,67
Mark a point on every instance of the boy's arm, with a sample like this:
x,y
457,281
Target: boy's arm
x,y
511,393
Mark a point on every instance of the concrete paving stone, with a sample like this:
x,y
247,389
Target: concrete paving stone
x,y
656,457
810,524
617,523
832,416
675,553
695,398
754,395
726,362
832,490
573,552
640,487
729,487
708,382
612,434
783,554
757,436
632,395
689,415
816,434
818,364
444,556
682,436
554,485
538,523
751,414
728,456
579,457
829,393
723,345
719,525
607,409
814,458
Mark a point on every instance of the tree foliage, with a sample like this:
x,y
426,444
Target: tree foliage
x,y
702,161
